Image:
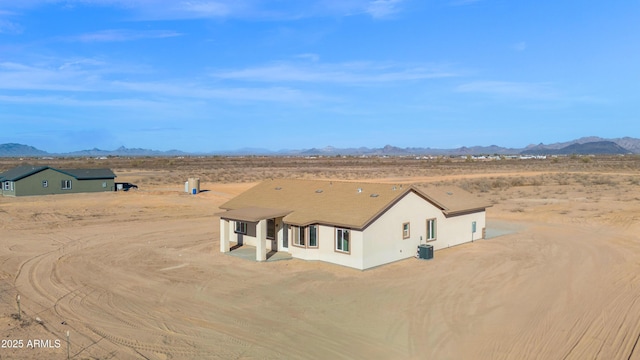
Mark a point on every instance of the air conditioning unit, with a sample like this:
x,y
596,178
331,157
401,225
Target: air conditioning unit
x,y
425,251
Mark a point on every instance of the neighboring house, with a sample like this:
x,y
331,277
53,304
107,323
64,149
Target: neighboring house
x,y
359,225
45,180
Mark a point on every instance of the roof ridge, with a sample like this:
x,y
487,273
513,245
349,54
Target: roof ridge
x,y
342,181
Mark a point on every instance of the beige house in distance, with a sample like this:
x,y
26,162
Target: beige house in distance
x,y
354,224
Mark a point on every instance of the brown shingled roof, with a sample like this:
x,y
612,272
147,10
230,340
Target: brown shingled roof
x,y
338,203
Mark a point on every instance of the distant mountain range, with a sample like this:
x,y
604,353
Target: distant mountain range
x,y
585,146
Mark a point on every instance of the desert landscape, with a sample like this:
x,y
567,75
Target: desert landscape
x,y
139,275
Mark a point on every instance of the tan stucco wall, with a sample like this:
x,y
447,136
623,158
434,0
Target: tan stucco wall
x,y
326,249
457,230
383,240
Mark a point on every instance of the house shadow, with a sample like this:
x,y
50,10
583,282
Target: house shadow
x,y
239,244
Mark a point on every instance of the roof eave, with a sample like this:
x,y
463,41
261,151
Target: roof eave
x,y
465,211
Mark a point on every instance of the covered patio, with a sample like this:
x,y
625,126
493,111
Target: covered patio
x,y
249,252
251,225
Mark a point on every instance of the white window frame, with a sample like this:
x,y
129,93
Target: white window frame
x,y
406,230
299,238
432,229
343,236
45,183
7,186
66,184
240,227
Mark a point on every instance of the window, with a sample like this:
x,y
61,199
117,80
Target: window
x,y
6,186
431,229
342,240
241,227
66,184
406,233
473,227
298,236
271,229
45,183
313,236
104,184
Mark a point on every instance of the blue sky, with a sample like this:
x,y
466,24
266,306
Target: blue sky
x,y
208,75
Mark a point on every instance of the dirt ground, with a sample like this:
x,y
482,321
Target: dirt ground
x,y
139,275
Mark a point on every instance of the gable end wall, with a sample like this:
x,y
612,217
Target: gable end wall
x,y
383,240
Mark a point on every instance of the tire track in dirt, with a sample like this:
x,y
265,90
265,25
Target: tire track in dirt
x,y
559,273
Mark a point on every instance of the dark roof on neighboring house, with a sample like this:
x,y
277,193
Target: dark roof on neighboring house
x,y
23,171
340,203
89,174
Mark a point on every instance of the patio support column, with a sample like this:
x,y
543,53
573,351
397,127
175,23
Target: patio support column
x,y
224,235
261,237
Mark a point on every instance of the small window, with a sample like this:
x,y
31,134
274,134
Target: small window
x,y
6,186
45,184
473,227
241,227
313,236
406,230
431,229
104,184
342,240
298,236
66,184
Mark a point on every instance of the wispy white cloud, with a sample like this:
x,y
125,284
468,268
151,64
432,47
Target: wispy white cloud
x,y
76,82
261,9
520,46
309,56
353,73
9,27
183,89
205,8
383,8
119,35
78,102
506,89
16,76
463,2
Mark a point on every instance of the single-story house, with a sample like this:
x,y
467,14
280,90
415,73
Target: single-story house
x,y
44,180
355,224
